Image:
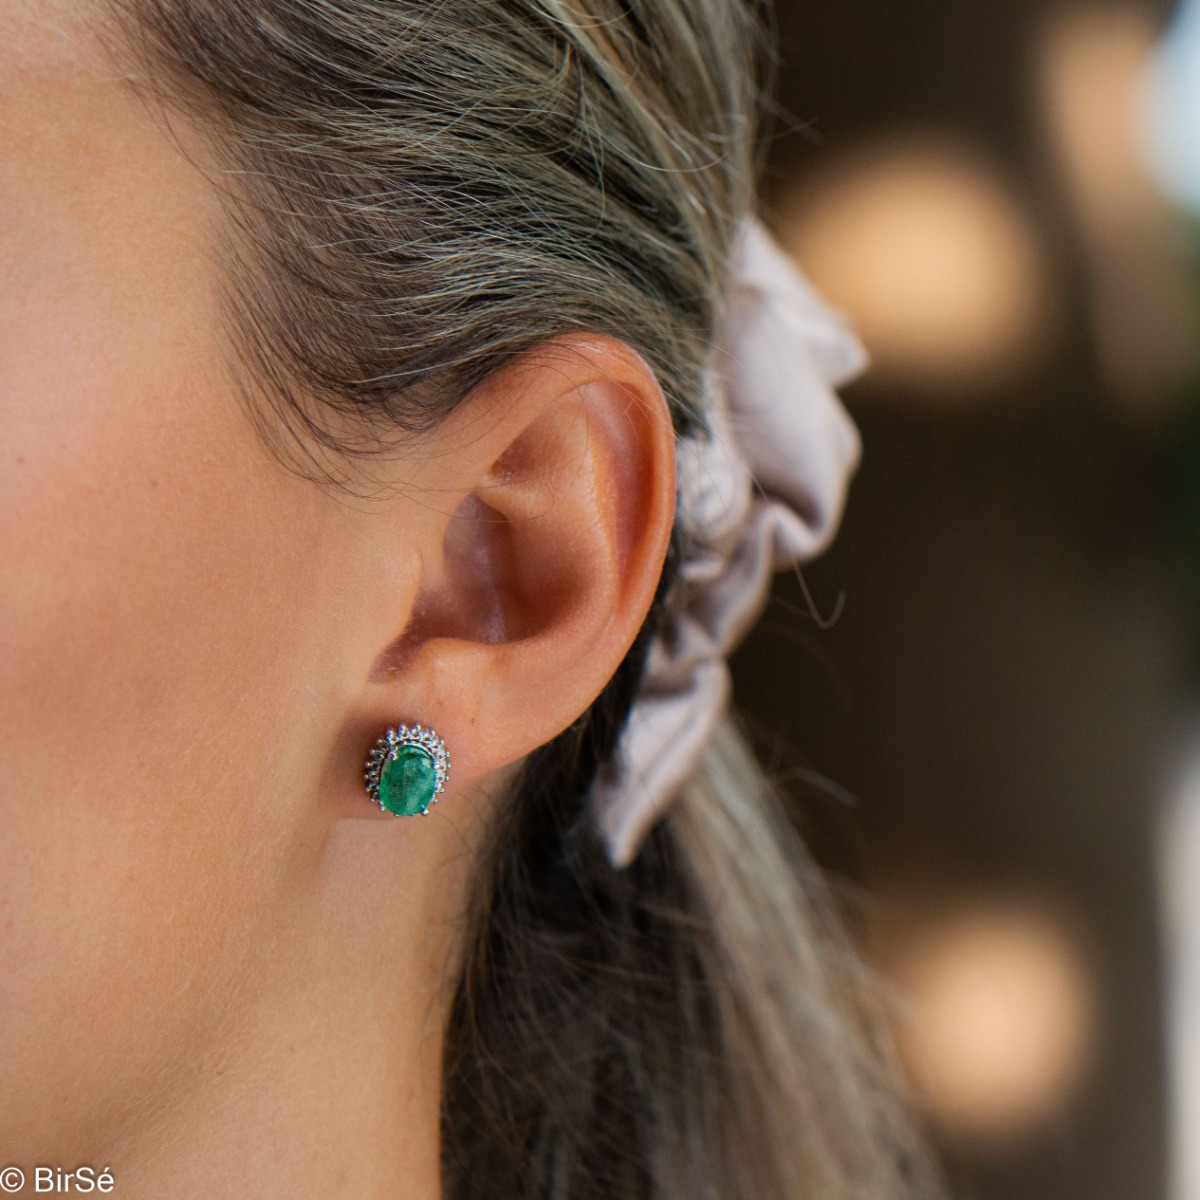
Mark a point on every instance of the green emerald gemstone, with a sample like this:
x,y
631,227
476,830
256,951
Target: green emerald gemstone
x,y
408,782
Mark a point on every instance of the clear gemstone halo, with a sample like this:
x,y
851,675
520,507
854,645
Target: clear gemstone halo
x,y
406,770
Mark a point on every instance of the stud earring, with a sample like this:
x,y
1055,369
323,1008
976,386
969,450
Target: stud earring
x,y
406,770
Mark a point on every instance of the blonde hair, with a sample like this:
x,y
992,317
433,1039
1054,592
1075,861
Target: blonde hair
x,y
417,193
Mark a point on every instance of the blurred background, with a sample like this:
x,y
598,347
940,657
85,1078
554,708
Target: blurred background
x,y
985,699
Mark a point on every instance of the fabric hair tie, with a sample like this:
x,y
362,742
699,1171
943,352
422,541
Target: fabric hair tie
x,y
765,492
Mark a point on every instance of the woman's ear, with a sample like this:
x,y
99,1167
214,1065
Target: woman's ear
x,y
541,512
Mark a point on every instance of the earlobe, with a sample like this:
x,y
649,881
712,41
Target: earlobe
x,y
536,583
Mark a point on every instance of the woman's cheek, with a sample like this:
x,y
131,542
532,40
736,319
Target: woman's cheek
x,y
146,617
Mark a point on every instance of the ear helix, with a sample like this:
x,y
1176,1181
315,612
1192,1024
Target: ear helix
x,y
407,770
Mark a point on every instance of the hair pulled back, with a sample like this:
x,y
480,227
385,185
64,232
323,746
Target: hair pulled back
x,y
416,192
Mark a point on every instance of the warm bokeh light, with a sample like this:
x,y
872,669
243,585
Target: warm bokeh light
x,y
929,254
1092,64
1001,1020
1093,69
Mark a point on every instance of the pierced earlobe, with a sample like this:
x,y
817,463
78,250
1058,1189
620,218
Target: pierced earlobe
x,y
407,770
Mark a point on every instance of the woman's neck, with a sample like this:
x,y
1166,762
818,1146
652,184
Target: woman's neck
x,y
326,1078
